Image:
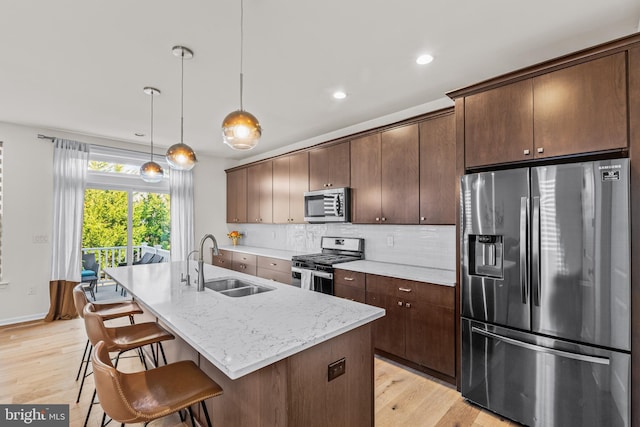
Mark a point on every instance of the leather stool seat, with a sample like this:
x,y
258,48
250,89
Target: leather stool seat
x,y
148,395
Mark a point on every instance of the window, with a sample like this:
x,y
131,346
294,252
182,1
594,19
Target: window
x,y
124,216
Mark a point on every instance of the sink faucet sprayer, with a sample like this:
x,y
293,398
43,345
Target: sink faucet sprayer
x,y
201,261
187,278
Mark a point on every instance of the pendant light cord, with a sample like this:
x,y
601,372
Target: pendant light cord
x,y
182,98
152,93
241,49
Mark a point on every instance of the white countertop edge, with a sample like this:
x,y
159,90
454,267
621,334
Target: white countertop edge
x,y
268,252
402,271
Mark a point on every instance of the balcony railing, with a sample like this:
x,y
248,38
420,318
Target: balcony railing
x,y
115,255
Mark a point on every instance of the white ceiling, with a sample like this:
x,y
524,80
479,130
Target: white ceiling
x,y
80,65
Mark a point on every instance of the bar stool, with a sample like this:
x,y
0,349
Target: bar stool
x,y
106,312
123,338
149,395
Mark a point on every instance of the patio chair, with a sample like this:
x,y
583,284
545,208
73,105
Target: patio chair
x,y
89,274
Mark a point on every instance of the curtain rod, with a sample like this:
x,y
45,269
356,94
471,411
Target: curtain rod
x,y
53,138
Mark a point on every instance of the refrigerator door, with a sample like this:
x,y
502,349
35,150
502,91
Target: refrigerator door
x,y
545,382
580,266
495,280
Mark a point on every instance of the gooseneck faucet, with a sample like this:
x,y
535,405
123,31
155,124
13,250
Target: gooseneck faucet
x,y
201,261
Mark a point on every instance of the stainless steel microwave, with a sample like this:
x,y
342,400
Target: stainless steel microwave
x,y
330,205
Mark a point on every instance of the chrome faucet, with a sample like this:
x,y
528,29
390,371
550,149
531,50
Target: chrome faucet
x,y
201,261
187,278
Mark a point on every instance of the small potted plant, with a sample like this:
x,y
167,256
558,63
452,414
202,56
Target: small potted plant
x,y
234,236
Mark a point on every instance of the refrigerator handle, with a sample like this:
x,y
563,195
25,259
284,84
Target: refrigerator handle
x,y
541,349
535,249
524,244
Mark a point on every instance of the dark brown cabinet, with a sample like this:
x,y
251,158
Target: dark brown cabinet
x,y
244,263
237,196
329,167
224,259
290,181
274,269
349,285
437,170
419,324
573,110
385,177
259,193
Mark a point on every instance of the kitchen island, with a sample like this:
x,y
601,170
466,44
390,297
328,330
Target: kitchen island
x,y
271,352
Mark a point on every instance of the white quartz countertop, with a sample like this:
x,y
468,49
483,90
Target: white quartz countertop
x,y
273,253
241,335
420,274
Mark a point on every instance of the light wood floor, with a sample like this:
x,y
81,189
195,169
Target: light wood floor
x,y
39,361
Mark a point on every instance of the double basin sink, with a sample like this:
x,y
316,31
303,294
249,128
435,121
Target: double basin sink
x,y
233,287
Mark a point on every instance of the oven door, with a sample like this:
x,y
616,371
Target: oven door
x,y
320,281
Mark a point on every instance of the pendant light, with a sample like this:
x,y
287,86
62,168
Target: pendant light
x,y
240,129
151,171
180,156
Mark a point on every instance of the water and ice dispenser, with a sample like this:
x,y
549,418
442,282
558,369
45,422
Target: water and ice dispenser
x,y
485,255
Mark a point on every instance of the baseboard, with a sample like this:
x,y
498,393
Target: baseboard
x,y
22,319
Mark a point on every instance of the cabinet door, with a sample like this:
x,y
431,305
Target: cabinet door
x,y
259,192
349,292
400,192
237,196
438,170
329,167
366,180
388,331
498,125
582,108
430,336
298,184
281,190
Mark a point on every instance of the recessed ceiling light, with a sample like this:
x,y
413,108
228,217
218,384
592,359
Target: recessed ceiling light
x,y
424,59
339,95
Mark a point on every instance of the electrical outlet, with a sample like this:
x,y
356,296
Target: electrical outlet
x,y
390,240
40,238
336,369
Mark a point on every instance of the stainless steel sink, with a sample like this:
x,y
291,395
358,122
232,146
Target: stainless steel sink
x,y
233,287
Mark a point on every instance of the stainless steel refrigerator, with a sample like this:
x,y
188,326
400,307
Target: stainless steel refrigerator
x,y
545,293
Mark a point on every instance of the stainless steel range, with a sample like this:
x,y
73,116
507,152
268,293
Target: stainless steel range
x,y
315,271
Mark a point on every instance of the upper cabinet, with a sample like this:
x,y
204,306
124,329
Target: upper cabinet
x,y
237,196
290,181
385,177
573,110
329,166
438,170
259,192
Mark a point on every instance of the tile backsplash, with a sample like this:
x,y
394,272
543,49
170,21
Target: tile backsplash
x,y
420,245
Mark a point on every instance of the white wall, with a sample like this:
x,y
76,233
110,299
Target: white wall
x,y
28,204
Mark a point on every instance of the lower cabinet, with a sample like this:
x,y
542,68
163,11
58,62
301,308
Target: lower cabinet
x,y
349,285
244,263
274,269
419,324
255,265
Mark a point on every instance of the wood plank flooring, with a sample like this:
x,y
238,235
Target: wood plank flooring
x,y
39,361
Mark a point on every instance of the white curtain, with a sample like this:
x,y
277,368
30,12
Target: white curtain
x,y
70,163
182,229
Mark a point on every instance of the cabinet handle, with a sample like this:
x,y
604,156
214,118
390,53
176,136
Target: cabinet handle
x,y
377,219
408,305
400,303
404,289
540,150
384,219
221,261
422,218
273,264
329,185
526,152
349,279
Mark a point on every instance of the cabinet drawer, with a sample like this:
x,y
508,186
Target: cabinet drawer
x,y
278,276
243,258
275,264
349,278
390,286
349,292
244,268
223,260
443,296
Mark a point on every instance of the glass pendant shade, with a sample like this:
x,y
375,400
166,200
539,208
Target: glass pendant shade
x,y
151,172
181,157
241,130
